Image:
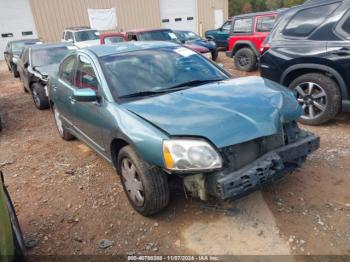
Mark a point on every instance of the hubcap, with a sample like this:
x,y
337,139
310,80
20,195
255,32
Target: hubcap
x,y
58,121
243,60
132,182
36,98
312,98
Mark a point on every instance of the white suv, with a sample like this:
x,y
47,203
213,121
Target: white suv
x,y
81,36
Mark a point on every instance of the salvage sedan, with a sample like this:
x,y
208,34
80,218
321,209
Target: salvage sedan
x,y
156,110
35,65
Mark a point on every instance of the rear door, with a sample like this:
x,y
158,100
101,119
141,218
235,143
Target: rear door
x,y
222,34
263,25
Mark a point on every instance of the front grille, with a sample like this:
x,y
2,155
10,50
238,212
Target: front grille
x,y
240,155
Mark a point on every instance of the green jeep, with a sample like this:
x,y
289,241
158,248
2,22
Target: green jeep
x,y
11,240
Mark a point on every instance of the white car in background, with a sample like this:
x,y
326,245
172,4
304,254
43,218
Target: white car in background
x,y
81,36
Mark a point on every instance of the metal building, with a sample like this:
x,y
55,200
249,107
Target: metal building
x,y
48,18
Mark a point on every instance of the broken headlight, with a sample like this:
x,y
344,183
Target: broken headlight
x,y
190,155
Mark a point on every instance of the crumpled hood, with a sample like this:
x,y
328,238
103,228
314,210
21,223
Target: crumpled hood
x,y
227,112
47,69
87,43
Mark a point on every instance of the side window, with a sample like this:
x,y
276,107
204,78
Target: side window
x,y
68,36
243,26
343,27
85,76
265,24
226,26
306,21
132,37
67,69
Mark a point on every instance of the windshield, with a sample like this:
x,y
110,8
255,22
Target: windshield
x,y
48,56
188,36
86,35
18,46
157,70
161,35
114,39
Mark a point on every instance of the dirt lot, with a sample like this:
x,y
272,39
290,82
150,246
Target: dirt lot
x,y
68,199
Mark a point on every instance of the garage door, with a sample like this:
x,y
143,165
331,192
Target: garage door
x,y
16,22
178,14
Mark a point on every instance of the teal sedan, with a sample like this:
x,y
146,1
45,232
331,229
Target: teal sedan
x,y
11,240
156,110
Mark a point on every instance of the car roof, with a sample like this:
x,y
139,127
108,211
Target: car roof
x,y
256,14
124,47
148,30
49,45
78,28
25,40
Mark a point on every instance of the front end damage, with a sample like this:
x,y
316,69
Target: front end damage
x,y
251,165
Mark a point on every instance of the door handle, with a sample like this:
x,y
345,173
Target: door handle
x,y
341,52
72,99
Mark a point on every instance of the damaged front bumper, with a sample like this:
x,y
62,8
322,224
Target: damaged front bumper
x,y
265,170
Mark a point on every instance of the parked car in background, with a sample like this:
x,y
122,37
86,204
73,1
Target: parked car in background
x,y
13,51
189,37
220,35
35,65
164,35
156,110
81,36
309,51
247,35
12,245
112,38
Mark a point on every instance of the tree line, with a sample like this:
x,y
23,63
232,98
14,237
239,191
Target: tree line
x,y
248,6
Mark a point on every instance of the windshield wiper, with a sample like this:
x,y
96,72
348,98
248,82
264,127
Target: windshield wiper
x,y
143,93
195,83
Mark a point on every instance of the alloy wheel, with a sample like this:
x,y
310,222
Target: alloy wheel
x,y
243,60
312,98
132,182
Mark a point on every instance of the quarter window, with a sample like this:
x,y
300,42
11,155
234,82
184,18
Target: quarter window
x,y
265,24
306,21
243,26
85,76
67,69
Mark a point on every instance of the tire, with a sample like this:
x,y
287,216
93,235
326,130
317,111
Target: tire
x,y
64,134
40,99
325,98
152,183
214,54
245,60
16,229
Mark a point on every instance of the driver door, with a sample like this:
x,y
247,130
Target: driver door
x,y
86,116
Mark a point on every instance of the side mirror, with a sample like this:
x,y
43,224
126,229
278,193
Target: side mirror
x,y
84,95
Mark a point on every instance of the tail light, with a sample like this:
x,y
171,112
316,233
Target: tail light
x,y
264,47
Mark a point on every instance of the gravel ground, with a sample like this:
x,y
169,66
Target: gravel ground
x,y
70,201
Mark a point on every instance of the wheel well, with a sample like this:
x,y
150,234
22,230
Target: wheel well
x,y
116,145
240,46
296,73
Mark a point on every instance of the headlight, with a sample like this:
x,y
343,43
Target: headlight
x,y
190,155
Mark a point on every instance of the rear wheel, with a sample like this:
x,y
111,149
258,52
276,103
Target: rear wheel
x,y
319,96
245,60
64,134
146,187
40,99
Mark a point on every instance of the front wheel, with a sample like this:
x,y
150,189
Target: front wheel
x,y
245,60
64,134
319,96
145,186
39,97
